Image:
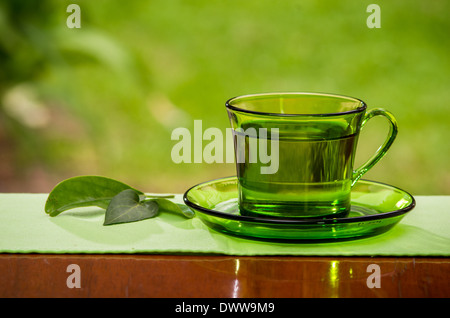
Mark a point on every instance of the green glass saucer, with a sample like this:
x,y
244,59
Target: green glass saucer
x,y
375,208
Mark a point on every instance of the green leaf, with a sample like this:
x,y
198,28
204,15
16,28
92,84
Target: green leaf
x,y
83,191
126,207
169,206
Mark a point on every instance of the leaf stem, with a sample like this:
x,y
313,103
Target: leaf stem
x,y
157,196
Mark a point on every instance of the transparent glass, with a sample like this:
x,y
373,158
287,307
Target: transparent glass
x,y
295,152
375,209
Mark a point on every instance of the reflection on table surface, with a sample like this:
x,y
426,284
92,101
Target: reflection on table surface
x,y
44,275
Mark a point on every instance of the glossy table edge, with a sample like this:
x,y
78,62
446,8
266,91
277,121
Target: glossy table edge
x,y
221,276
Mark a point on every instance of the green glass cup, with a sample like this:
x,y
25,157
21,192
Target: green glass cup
x,y
295,152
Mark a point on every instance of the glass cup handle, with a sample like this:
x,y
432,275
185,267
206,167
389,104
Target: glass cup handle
x,y
357,174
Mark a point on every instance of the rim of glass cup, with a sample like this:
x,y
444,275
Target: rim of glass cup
x,y
360,108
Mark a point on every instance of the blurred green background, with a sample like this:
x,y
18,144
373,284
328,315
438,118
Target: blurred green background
x,y
103,99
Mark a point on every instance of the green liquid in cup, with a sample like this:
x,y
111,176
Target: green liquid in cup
x,y
315,136
314,176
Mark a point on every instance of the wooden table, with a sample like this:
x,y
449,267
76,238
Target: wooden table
x,y
186,276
